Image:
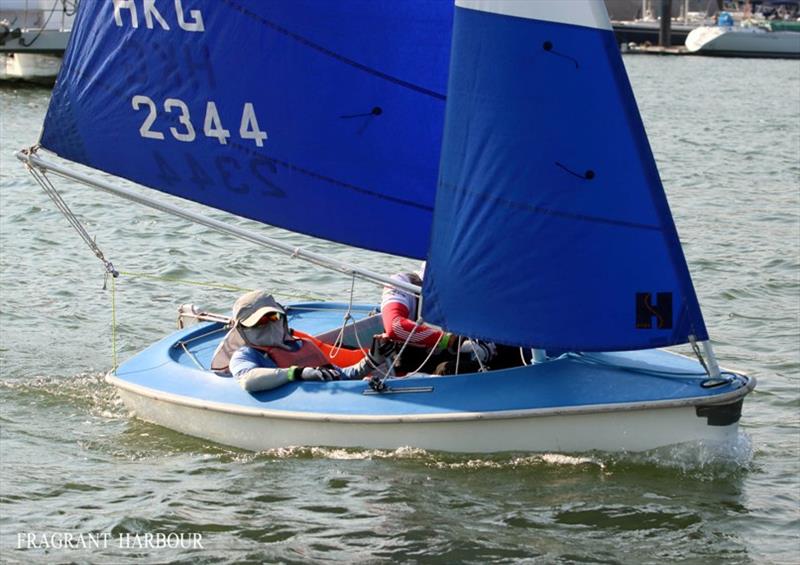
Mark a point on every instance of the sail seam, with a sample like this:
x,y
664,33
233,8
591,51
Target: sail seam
x,y
334,55
546,211
116,90
313,174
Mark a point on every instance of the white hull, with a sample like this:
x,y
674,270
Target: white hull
x,y
624,430
32,67
615,402
743,42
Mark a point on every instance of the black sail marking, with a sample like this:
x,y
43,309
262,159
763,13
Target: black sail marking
x,y
548,46
589,174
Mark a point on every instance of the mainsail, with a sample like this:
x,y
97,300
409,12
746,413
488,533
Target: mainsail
x,y
320,117
551,227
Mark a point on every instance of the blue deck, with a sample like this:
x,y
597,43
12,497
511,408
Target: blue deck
x,y
570,381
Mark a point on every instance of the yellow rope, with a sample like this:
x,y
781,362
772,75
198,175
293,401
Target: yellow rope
x,y
177,280
214,285
113,324
184,281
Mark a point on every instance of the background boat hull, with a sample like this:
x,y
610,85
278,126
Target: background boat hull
x,y
744,43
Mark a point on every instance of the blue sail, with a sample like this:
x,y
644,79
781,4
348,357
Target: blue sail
x,y
551,226
320,117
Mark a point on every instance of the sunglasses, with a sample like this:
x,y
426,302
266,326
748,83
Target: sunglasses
x,y
267,318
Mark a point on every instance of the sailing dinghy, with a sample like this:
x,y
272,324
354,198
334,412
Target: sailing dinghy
x,y
502,136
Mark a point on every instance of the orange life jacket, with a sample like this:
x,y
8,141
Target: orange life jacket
x,y
307,355
341,358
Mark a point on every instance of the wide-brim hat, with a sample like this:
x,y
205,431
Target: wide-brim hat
x,y
253,306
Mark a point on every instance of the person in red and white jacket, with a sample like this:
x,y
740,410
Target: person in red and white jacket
x,y
400,312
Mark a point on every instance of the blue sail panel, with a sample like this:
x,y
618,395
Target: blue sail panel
x,y
324,118
551,227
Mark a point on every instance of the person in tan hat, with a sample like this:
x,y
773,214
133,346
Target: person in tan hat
x,y
261,353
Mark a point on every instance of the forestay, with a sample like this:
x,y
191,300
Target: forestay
x,y
320,117
551,228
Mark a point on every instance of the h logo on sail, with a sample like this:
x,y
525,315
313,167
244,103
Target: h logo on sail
x,y
650,315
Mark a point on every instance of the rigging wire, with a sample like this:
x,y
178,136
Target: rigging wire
x,y
42,28
31,157
40,175
696,349
44,181
49,189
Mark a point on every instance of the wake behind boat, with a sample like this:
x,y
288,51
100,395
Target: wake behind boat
x,y
460,125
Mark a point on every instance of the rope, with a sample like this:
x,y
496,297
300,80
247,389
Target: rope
x,y
221,286
378,384
418,323
360,346
339,341
482,367
430,353
184,281
40,175
113,323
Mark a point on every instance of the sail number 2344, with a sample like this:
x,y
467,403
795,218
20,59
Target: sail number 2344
x,y
184,130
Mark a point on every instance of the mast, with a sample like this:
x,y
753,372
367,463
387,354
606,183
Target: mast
x,y
665,29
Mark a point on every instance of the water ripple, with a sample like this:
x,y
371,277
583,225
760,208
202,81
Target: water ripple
x,y
727,140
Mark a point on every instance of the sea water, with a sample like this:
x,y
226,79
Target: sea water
x,y
726,135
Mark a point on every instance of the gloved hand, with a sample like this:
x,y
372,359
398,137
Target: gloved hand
x,y
448,342
381,348
378,356
482,351
326,373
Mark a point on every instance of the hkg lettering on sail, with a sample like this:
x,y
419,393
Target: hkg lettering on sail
x,y
152,16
